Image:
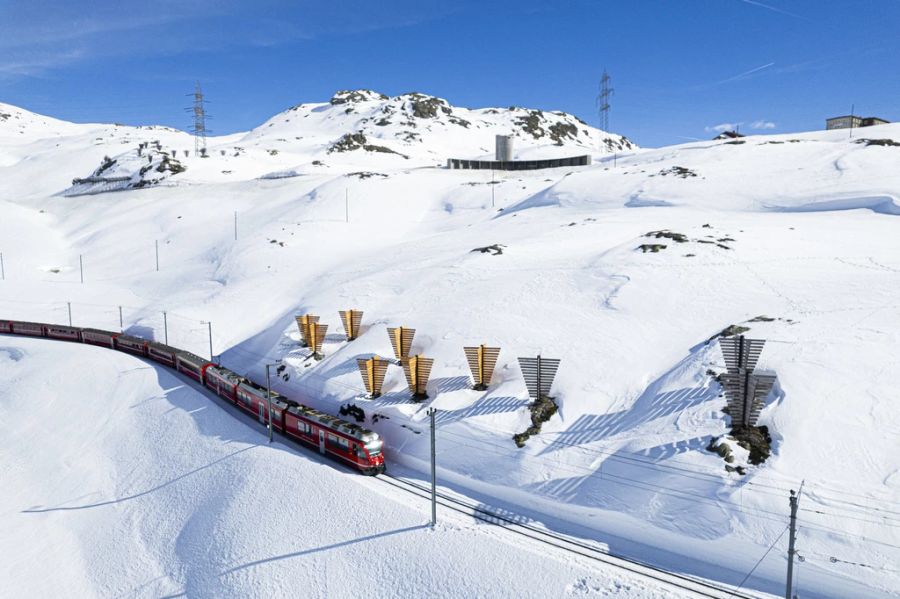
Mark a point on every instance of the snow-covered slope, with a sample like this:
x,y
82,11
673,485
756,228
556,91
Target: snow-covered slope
x,y
151,488
800,229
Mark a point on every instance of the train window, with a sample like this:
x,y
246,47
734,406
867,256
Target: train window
x,y
338,442
361,452
303,427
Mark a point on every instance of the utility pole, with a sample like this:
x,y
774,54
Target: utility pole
x,y
69,306
209,326
492,188
431,412
794,501
121,322
156,242
606,92
199,129
346,206
81,268
852,110
269,396
235,225
166,328
2,270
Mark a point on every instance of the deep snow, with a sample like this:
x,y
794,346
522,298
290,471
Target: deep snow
x,y
809,226
149,487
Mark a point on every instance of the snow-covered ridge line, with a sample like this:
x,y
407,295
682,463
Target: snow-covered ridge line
x,y
798,227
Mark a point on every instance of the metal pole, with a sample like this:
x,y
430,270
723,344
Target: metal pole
x,y
347,205
538,378
235,225
492,188
852,110
747,400
69,306
156,242
431,412
269,401
794,499
209,326
81,268
121,322
166,328
2,270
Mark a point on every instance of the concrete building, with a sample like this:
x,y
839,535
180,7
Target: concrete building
x,y
848,121
504,160
504,152
517,165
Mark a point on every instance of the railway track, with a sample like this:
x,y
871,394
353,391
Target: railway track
x,y
696,586
574,546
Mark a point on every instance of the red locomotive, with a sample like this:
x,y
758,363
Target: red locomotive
x,y
350,443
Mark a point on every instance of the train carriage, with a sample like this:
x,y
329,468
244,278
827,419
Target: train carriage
x,y
132,345
192,365
332,436
35,329
99,337
162,353
223,382
6,326
252,399
58,331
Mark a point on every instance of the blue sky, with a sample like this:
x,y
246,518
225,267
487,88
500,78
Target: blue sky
x,y
680,68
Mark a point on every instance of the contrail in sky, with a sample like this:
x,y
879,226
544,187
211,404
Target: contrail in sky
x,y
748,73
773,9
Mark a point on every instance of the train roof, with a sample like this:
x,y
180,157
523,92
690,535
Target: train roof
x,y
193,357
124,337
226,374
333,422
102,332
164,347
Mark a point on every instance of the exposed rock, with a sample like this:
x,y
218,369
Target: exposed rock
x,y
355,141
495,249
678,171
358,95
878,142
427,107
558,131
541,411
666,234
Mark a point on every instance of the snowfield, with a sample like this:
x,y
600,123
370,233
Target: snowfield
x,y
149,487
793,236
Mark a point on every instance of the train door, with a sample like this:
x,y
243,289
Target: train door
x,y
321,441
262,412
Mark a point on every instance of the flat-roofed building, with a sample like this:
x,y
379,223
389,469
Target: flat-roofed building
x,y
848,121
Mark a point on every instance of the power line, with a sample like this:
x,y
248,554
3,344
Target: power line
x,y
759,562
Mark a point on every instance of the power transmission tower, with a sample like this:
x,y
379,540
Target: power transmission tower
x,y
606,93
199,129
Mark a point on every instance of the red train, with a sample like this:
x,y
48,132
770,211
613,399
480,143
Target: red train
x,y
350,443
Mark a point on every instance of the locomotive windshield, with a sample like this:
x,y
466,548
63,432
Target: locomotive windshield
x,y
374,447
